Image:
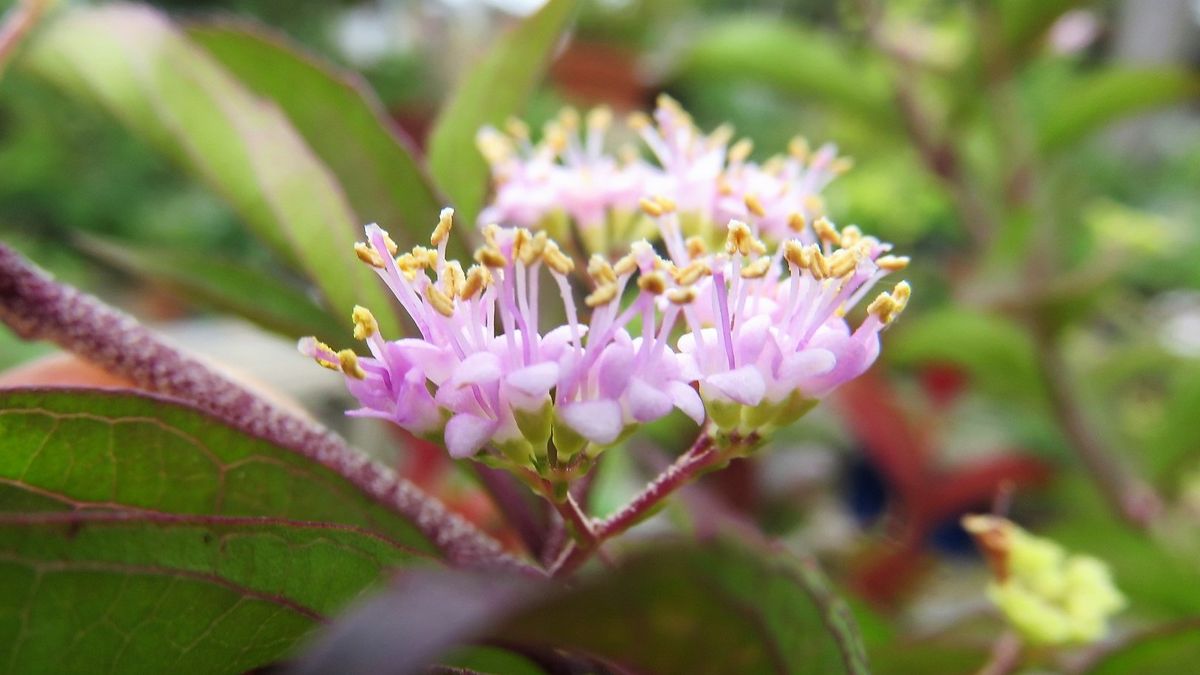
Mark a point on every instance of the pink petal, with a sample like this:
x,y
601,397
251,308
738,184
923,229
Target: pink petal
x,y
686,399
466,434
645,402
614,367
534,380
744,385
805,364
478,368
598,421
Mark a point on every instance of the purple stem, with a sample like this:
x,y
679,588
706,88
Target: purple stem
x,y
36,307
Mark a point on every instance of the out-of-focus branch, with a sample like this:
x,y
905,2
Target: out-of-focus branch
x,y
939,155
1129,496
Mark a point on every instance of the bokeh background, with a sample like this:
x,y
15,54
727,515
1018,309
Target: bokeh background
x,y
1038,160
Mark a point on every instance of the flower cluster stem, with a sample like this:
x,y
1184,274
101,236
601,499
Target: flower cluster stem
x,y
701,456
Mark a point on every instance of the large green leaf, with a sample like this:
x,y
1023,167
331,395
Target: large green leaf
x,y
73,449
810,64
492,91
1096,100
155,593
248,292
997,353
1174,648
718,608
340,119
1024,22
131,60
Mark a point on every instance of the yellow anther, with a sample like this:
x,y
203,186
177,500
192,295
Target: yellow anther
x,y
322,348
348,362
692,273
754,205
453,278
814,206
653,283
666,102
365,324
796,254
368,255
796,222
478,278
883,306
490,257
826,232
638,121
668,205
532,251
741,150
626,264
491,234
569,118
892,263
738,237
841,165
603,295
424,257
843,262
517,128
756,269
440,302
901,293
651,207
681,296
774,165
555,137
495,148
798,147
600,270
820,264
389,244
599,118
521,239
556,260
720,136
851,236
445,222
724,187
695,247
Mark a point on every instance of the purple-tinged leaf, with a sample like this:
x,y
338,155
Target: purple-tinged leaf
x,y
717,608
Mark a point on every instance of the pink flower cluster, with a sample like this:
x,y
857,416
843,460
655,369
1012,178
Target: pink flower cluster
x,y
741,325
570,176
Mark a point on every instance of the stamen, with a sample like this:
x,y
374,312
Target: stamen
x,y
556,260
365,324
892,263
741,150
692,273
651,207
600,270
754,205
442,230
653,283
696,246
478,278
756,269
826,232
440,302
796,222
490,257
368,255
603,295
348,363
681,296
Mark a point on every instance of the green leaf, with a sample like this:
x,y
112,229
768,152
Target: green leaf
x,y
717,608
91,449
1024,22
341,120
800,61
493,90
132,61
996,352
154,593
1096,100
1173,648
242,290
